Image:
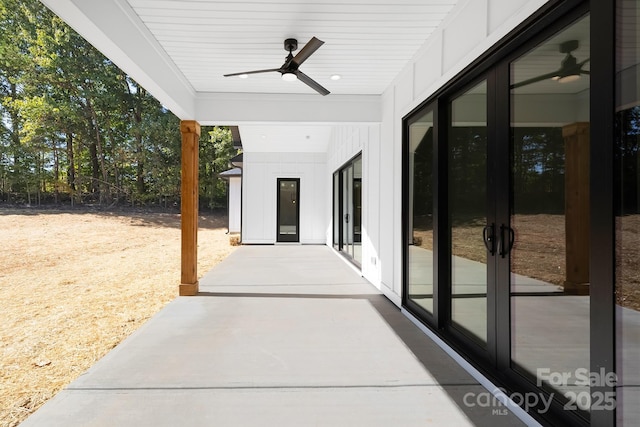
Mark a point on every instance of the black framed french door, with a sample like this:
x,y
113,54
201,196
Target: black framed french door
x,y
288,222
518,210
497,224
471,229
347,210
547,219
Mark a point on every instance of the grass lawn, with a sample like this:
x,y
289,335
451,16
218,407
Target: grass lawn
x,y
74,284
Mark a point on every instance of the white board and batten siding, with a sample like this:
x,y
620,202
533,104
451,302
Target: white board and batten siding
x,y
235,194
260,176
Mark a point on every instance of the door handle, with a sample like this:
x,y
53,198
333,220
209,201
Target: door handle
x,y
506,242
346,218
489,238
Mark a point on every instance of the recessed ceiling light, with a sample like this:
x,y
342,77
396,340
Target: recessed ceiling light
x,y
336,77
244,76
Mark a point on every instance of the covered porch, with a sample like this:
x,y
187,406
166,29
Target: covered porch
x,y
299,338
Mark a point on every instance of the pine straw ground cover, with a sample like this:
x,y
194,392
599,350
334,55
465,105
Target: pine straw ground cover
x,y
75,284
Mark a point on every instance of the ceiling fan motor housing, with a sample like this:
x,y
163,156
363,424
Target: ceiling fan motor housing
x,y
568,46
290,45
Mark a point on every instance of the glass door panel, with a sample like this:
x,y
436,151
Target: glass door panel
x,y
420,208
337,221
467,194
357,210
347,210
288,210
347,205
549,214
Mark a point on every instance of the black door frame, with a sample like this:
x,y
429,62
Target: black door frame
x,y
287,237
494,65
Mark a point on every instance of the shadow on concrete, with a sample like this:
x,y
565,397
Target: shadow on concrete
x,y
452,378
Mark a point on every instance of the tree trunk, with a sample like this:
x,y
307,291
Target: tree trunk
x,y
95,167
137,115
97,155
71,167
56,173
16,177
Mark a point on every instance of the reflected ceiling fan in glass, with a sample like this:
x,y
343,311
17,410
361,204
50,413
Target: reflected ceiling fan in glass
x,y
570,69
290,70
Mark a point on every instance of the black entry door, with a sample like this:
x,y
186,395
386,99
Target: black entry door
x,y
288,210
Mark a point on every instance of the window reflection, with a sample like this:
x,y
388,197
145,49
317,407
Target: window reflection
x,y
467,149
420,239
550,210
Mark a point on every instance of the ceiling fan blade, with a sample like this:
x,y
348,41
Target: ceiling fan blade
x,y
308,49
253,72
312,83
534,80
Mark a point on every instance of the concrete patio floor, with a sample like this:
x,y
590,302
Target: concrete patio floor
x,y
279,336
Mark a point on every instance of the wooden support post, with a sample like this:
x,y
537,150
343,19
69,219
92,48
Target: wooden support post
x,y
577,217
190,131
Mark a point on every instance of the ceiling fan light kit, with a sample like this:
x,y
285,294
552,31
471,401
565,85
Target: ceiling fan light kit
x,y
568,79
289,77
570,69
290,70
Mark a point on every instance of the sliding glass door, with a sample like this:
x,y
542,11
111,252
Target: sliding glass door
x,y
549,216
468,213
419,152
497,217
347,210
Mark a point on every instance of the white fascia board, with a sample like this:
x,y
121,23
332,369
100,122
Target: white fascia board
x,y
113,28
241,108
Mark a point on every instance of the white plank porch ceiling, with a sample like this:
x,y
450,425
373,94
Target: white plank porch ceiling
x,y
366,42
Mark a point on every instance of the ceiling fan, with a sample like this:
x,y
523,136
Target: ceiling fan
x,y
570,69
290,69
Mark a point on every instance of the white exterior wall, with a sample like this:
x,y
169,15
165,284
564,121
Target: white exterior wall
x,y
346,143
259,195
472,28
235,193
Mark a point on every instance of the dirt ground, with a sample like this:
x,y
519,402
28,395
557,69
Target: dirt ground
x,y
539,251
75,284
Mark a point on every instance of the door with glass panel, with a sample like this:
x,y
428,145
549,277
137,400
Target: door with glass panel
x,y
420,179
453,223
497,256
288,229
337,211
471,227
518,212
548,221
347,216
347,210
